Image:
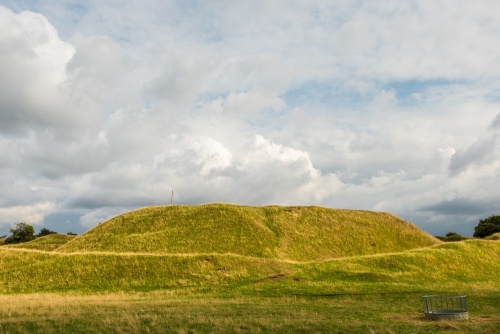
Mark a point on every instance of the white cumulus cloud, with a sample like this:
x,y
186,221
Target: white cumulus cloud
x,y
106,106
30,214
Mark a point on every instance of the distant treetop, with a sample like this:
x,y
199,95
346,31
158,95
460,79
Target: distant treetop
x,y
44,232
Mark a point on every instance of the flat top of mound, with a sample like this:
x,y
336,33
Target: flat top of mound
x,y
293,233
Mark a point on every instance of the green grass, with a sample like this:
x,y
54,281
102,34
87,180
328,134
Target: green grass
x,y
228,269
167,312
445,265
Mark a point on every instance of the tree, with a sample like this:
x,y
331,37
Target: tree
x,y
487,227
22,232
44,231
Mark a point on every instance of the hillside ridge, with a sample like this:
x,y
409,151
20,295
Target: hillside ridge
x,y
470,263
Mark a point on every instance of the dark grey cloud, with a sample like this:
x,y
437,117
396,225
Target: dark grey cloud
x,y
495,125
459,215
462,206
484,151
481,152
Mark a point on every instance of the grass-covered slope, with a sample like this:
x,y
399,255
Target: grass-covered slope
x,y
46,243
273,232
472,264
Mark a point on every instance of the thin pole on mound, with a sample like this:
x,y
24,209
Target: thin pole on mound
x,y
172,198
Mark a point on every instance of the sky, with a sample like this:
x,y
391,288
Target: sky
x,y
109,106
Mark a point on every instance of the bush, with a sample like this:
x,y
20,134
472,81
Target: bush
x,y
454,237
487,227
451,236
44,232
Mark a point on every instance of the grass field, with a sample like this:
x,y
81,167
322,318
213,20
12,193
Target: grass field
x,y
94,284
189,312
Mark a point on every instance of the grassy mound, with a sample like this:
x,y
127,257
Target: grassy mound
x,y
271,232
46,243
